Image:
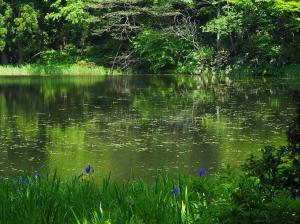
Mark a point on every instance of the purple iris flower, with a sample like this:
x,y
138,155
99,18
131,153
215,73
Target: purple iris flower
x,y
22,181
89,169
25,181
203,172
175,191
35,174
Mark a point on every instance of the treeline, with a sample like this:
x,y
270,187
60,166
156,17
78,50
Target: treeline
x,y
151,35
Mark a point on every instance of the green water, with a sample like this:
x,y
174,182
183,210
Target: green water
x,y
139,124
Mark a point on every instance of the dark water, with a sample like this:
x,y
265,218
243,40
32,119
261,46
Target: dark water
x,y
139,124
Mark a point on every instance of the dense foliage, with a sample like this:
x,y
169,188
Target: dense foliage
x,y
151,35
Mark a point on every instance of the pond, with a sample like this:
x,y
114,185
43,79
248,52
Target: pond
x,y
139,125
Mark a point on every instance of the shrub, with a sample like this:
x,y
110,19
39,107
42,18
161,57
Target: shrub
x,y
68,55
161,50
279,168
197,60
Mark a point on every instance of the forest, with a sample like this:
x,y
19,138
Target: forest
x,y
149,111
151,36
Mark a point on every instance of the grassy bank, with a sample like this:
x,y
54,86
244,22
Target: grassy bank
x,y
54,69
225,198
86,69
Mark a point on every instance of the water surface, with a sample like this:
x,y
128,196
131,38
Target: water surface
x,y
139,124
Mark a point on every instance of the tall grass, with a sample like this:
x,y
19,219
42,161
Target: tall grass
x,y
49,200
202,199
54,69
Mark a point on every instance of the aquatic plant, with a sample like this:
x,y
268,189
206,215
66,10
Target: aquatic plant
x,y
88,171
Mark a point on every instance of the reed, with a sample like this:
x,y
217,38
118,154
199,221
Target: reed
x,y
54,69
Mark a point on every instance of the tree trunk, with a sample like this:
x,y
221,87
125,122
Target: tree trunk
x,y
218,34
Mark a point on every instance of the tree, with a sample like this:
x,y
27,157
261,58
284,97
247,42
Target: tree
x,y
19,24
249,29
25,28
3,29
5,14
72,21
289,28
119,22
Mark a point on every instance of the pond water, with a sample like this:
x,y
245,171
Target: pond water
x,y
139,125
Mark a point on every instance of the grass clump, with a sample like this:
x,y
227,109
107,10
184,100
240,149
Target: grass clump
x,y
55,69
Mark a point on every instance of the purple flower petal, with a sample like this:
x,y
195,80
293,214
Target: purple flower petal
x,y
175,191
89,169
203,172
26,181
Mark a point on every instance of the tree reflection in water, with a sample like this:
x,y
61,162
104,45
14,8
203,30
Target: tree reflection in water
x,y
139,123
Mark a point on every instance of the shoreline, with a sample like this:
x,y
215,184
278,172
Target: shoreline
x,y
82,70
